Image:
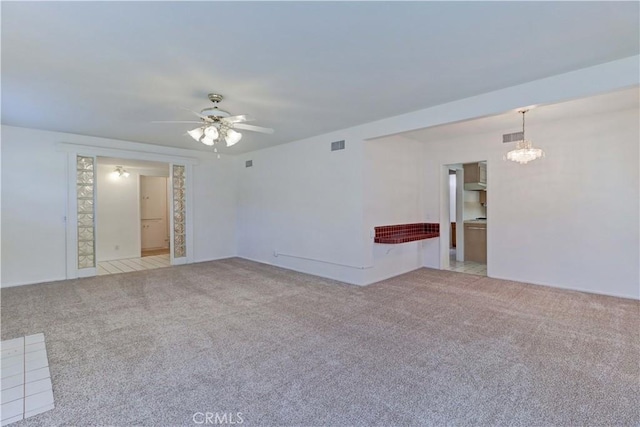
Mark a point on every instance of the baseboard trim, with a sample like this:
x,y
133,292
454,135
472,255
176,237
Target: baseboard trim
x,y
394,275
567,288
300,271
213,259
13,285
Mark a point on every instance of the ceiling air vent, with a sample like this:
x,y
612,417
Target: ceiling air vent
x,y
248,163
337,145
512,137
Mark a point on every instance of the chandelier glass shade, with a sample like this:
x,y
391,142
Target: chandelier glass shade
x,y
524,151
212,133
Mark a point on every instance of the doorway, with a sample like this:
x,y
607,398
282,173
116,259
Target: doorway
x,y
132,215
466,212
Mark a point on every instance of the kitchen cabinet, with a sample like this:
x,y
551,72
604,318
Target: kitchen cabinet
x,y
154,213
475,242
153,197
154,234
475,176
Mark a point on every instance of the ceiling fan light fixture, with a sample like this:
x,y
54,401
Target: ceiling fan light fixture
x,y
232,137
217,125
211,132
207,140
196,133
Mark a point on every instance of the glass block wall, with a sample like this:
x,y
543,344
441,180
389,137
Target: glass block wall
x,y
179,208
85,191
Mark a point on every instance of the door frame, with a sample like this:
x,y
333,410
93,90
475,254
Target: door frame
x,y
71,243
444,214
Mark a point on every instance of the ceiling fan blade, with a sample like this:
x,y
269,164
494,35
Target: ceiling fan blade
x,y
173,121
253,128
238,118
203,117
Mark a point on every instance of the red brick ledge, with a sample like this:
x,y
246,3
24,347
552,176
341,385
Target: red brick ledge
x,y
403,233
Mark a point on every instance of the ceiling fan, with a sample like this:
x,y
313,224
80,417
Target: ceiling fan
x,y
218,125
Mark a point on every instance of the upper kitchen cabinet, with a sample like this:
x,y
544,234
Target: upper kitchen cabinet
x,y
475,176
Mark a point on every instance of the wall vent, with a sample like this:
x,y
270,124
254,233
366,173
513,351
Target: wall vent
x,y
337,145
248,163
512,137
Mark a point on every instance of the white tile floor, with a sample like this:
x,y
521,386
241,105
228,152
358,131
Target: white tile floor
x,y
469,267
133,264
26,380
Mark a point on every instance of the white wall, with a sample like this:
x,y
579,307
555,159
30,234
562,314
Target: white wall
x,y
452,198
214,208
472,207
117,215
444,263
34,201
569,220
394,194
393,184
303,199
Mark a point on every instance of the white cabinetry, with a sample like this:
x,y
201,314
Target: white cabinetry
x,y
154,212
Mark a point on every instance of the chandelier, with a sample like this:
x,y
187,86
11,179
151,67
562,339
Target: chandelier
x,y
216,132
524,151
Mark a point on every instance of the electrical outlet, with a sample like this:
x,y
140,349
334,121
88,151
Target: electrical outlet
x,y
117,247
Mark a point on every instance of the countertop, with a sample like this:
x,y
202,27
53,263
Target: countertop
x,y
404,233
475,221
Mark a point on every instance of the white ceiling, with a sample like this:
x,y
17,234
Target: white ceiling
x,y
512,121
304,68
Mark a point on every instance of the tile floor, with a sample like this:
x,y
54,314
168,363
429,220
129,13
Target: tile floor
x,y
133,264
469,267
26,380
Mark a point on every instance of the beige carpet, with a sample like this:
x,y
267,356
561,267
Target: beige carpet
x,y
426,348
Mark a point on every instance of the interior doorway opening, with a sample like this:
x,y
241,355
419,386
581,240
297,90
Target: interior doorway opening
x,y
132,215
466,213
